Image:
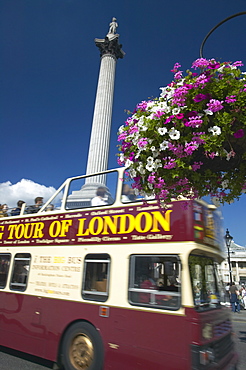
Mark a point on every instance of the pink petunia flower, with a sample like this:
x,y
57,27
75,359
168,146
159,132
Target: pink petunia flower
x,y
239,133
200,63
196,166
179,116
175,67
142,106
142,142
151,179
200,97
215,105
122,136
230,99
178,75
238,63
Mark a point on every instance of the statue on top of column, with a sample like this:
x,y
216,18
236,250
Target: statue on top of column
x,y
110,44
112,27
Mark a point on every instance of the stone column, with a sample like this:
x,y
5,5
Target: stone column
x,y
110,51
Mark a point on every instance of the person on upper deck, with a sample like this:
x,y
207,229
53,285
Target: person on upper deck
x,y
16,211
36,207
4,210
99,199
128,194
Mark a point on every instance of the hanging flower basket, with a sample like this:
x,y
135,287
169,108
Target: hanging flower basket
x,y
191,141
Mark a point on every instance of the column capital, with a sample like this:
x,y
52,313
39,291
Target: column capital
x,y
110,45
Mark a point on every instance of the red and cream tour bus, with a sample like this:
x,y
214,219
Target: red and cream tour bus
x,y
122,285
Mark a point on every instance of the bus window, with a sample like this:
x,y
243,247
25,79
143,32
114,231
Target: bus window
x,y
20,271
96,277
205,283
92,191
155,281
129,193
4,269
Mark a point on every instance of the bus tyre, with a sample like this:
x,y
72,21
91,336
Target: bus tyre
x,y
82,348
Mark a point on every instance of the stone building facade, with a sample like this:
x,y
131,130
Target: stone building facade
x,y
238,265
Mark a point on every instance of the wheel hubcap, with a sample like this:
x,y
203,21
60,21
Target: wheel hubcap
x,y
81,352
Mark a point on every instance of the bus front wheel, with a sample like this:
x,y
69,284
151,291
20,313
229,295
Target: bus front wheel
x,y
82,348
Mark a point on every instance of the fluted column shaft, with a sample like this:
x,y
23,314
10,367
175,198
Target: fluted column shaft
x,y
101,124
110,51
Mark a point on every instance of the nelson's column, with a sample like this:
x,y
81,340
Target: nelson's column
x,y
110,51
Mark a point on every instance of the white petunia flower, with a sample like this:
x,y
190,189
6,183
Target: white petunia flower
x,y
162,130
176,111
150,166
174,134
144,128
141,121
164,145
215,130
133,173
135,139
150,104
225,184
158,163
208,112
163,90
220,69
141,169
121,129
128,163
155,153
167,92
122,157
181,82
150,160
163,105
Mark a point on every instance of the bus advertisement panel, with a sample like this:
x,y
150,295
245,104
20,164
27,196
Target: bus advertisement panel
x,y
145,223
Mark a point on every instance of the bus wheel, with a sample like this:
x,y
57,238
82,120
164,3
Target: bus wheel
x,y
82,348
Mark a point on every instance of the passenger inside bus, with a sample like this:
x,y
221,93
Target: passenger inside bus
x,y
147,283
128,194
16,211
100,198
36,207
49,208
20,274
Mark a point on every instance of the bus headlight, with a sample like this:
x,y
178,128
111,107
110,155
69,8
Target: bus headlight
x,y
207,331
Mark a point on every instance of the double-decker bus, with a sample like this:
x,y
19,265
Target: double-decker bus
x,y
115,282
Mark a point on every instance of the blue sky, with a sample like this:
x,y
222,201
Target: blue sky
x,y
48,77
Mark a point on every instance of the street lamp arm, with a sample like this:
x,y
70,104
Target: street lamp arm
x,y
213,29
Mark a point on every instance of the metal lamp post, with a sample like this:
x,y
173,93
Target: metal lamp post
x,y
228,239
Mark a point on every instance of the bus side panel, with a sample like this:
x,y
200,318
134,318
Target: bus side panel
x,y
147,340
20,323
132,338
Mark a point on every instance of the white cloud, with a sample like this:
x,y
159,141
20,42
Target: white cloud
x,y
26,190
